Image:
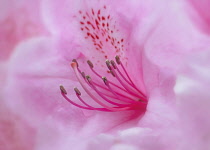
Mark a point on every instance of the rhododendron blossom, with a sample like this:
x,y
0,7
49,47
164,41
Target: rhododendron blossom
x,y
109,75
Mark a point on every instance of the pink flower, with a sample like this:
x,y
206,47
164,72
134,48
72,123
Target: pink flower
x,y
193,102
153,39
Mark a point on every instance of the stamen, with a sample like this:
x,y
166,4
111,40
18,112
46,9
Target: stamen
x,y
111,96
117,58
74,66
131,80
83,101
112,73
77,91
108,64
125,86
131,85
98,85
105,80
70,101
118,95
88,78
75,61
101,95
83,107
90,64
83,74
63,90
113,64
109,81
110,90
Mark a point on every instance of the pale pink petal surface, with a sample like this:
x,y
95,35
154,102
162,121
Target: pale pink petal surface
x,y
16,133
19,20
199,12
192,90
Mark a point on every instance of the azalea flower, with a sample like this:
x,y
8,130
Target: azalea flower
x,y
128,71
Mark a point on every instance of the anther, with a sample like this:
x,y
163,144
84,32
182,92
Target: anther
x,y
63,90
112,73
113,64
105,80
77,91
83,74
90,64
88,78
108,64
75,61
117,58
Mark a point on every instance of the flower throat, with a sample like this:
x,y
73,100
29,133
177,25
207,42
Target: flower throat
x,y
118,95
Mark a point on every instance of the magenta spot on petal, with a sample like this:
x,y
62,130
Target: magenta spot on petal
x,y
100,29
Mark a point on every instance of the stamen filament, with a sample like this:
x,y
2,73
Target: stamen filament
x,y
109,81
117,58
127,88
83,75
74,66
120,96
111,84
131,80
77,105
124,96
99,93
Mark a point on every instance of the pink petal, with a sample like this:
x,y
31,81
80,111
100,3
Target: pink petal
x,y
18,21
135,138
16,133
199,13
192,91
169,44
165,52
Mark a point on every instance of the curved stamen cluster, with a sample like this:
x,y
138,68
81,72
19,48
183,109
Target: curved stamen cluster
x,y
110,96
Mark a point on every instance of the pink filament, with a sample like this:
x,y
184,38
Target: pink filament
x,y
127,86
125,92
74,66
131,80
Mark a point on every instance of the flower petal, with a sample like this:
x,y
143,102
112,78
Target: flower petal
x,y
18,21
15,131
199,13
192,90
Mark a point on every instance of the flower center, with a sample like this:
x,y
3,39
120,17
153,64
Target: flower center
x,y
110,96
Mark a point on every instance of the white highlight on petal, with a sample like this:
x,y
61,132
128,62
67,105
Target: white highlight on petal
x,y
124,147
203,71
183,84
131,132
